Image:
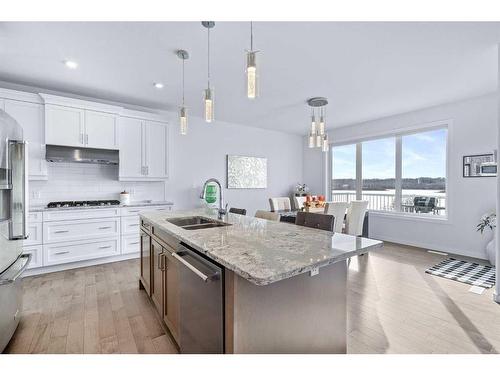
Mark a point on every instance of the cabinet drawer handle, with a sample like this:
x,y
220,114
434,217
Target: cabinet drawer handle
x,y
134,211
133,225
104,247
134,243
104,227
61,252
61,231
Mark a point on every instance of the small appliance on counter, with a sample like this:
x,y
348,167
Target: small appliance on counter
x,y
125,198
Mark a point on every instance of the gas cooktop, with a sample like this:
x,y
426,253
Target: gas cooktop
x,y
66,204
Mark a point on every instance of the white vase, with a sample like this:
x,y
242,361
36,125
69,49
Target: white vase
x,y
491,249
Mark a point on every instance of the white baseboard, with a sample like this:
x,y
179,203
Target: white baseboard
x,y
496,297
85,263
431,246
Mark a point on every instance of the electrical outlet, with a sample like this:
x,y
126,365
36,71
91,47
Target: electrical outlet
x,y
314,271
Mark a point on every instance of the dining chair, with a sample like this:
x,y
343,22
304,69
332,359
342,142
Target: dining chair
x,y
280,203
314,220
239,211
299,202
355,217
337,209
272,216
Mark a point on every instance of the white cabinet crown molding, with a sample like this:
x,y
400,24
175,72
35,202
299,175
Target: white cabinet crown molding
x,y
144,115
20,95
79,103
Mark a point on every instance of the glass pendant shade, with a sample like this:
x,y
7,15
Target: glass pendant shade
x,y
312,140
321,125
313,125
251,75
183,120
319,140
209,105
325,143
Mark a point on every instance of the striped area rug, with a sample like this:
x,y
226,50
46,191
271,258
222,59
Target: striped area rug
x,y
465,272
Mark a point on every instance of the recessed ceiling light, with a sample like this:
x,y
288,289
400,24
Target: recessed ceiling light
x,y
158,85
71,64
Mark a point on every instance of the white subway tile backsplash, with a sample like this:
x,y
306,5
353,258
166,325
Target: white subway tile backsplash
x,y
68,181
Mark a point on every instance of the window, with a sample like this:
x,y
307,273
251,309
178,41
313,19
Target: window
x,y
424,172
379,173
402,173
344,173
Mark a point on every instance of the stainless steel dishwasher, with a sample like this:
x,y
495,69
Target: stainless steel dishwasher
x,y
201,287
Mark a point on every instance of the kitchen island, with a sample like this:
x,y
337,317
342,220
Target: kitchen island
x,y
284,286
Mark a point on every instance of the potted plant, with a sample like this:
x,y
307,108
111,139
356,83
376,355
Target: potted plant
x,y
486,222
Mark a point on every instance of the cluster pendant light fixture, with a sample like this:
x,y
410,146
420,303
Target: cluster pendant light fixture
x,y
317,135
251,57
183,119
208,92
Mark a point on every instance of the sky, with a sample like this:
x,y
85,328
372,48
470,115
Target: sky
x,y
424,155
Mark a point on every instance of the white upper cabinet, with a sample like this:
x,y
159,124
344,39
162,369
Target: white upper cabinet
x,y
143,149
31,116
131,150
64,126
101,130
80,123
156,149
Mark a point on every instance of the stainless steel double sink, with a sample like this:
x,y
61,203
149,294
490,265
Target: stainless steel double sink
x,y
196,222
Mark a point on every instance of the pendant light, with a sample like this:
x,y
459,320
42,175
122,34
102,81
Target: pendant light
x,y
183,119
312,133
208,93
252,84
317,136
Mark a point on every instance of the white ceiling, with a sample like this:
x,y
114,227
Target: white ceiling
x,y
367,70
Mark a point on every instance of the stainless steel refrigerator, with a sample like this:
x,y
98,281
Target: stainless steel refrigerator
x,y
13,223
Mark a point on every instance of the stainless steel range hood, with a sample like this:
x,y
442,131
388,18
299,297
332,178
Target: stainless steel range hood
x,y
64,154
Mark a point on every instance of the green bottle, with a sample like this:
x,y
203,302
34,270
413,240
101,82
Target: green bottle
x,y
211,194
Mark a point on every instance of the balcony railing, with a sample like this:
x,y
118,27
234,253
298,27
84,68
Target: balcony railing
x,y
386,202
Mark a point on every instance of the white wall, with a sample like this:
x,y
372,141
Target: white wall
x,y
70,181
201,154
193,159
474,131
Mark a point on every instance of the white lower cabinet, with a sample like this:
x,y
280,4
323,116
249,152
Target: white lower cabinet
x,y
35,234
79,214
36,255
69,236
75,251
57,231
131,244
130,225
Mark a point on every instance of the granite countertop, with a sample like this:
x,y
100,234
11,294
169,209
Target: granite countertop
x,y
132,204
263,251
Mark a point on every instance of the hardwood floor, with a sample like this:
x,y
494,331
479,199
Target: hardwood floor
x,y
393,307
96,309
